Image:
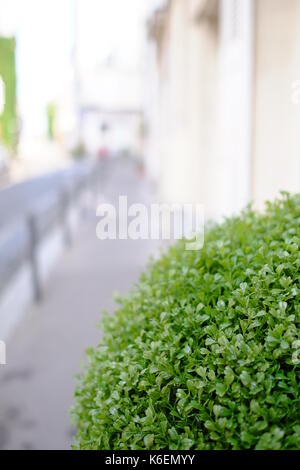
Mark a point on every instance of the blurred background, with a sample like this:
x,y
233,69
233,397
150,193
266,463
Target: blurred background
x,y
177,101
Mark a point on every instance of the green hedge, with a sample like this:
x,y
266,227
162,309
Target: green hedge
x,y
203,354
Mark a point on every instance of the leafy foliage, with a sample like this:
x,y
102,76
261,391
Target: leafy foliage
x,y
204,352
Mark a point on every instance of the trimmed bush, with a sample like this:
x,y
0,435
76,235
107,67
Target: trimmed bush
x,y
205,352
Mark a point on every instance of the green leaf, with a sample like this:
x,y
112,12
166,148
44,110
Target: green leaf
x,y
220,389
149,440
245,378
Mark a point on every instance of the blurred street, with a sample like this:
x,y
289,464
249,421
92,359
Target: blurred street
x,y
37,384
197,99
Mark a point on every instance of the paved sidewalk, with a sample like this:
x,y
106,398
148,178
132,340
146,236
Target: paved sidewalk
x,y
37,384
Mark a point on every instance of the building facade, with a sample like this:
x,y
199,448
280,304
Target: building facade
x,y
223,112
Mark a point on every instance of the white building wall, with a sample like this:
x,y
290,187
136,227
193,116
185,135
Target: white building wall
x,y
277,120
187,96
150,97
296,103
202,107
235,104
228,116
173,125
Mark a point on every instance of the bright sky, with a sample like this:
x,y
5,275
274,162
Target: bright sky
x,y
45,38
110,27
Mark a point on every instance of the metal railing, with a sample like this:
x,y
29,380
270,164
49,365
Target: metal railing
x,y
21,238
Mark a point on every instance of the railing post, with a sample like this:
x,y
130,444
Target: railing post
x,y
33,258
2,353
65,205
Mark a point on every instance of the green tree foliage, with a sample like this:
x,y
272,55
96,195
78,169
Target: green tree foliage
x,y
8,119
205,351
51,112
